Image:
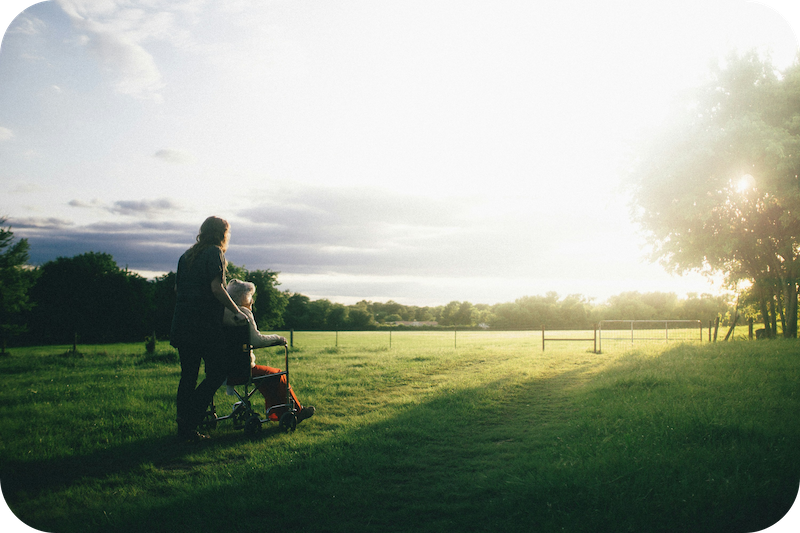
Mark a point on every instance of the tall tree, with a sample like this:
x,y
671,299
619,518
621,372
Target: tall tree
x,y
296,310
269,303
458,314
164,297
317,315
89,295
337,316
717,188
359,317
15,281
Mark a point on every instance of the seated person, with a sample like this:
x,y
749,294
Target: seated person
x,y
273,390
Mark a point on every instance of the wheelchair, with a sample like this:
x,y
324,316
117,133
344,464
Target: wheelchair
x,y
243,415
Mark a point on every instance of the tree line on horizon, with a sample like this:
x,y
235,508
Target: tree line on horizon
x,y
89,298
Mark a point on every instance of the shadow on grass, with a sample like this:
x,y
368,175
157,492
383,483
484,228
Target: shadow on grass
x,y
22,480
543,454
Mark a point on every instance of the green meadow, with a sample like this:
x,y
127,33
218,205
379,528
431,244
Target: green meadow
x,y
439,431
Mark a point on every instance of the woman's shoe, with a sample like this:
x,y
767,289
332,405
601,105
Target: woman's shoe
x,y
191,435
187,432
305,412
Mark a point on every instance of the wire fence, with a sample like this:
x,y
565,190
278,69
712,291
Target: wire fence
x,y
606,335
615,333
391,339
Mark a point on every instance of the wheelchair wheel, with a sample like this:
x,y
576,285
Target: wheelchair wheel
x,y
288,421
252,426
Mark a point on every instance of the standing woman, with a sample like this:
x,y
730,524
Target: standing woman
x,y
197,323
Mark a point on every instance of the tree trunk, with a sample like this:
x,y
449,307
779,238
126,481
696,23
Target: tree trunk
x,y
790,316
773,316
733,322
762,300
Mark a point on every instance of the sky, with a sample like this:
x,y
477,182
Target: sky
x,y
415,151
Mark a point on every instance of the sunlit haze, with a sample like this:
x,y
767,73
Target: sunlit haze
x,y
746,183
419,151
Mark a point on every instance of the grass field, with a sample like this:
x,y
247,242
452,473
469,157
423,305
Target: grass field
x,y
471,431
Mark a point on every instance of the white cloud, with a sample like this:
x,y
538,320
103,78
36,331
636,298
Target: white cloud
x,y
136,208
51,223
27,25
147,208
122,36
25,188
82,204
116,36
6,134
174,156
134,70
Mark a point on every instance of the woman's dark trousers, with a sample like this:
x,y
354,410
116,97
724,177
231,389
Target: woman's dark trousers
x,y
192,402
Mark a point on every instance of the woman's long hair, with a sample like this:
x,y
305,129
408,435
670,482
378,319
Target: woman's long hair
x,y
213,232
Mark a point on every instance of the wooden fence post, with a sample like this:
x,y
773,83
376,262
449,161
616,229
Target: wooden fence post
x,y
542,337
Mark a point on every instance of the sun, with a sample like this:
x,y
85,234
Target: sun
x,y
745,184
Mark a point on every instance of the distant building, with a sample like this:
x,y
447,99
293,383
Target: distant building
x,y
414,323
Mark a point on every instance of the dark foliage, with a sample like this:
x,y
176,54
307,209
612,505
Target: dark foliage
x,y
89,296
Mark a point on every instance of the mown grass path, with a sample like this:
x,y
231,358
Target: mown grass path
x,y
491,436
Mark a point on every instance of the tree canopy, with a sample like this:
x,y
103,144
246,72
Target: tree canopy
x,y
90,296
15,281
268,302
716,188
